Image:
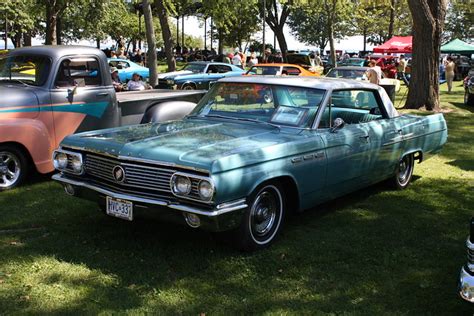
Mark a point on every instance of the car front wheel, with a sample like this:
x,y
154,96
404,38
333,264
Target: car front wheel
x,y
263,219
404,172
13,167
188,86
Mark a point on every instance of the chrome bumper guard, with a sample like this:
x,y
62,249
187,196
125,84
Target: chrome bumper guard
x,y
218,210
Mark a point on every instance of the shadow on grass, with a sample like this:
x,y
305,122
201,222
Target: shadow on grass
x,y
371,252
462,106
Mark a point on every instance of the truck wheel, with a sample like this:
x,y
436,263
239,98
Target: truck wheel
x,y
188,86
263,219
404,173
13,167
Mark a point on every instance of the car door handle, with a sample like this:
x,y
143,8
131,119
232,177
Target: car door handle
x,y
364,137
399,131
102,94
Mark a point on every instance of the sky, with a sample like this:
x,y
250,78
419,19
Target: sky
x,y
192,26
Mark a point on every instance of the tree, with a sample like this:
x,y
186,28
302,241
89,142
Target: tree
x,y
150,37
54,9
309,24
459,21
18,18
166,33
428,23
276,20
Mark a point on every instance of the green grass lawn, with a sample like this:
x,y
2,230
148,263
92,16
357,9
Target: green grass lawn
x,y
373,252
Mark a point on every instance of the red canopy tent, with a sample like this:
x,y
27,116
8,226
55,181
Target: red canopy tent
x,y
397,44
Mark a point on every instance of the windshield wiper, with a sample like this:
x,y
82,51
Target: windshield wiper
x,y
243,119
257,121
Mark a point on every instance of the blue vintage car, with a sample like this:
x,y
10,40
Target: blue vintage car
x,y
127,68
254,149
198,75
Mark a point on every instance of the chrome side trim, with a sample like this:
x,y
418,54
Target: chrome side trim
x,y
219,209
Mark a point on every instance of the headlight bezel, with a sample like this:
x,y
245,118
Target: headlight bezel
x,y
194,194
209,197
71,157
170,82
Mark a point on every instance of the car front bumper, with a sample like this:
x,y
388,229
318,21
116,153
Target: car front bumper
x,y
222,217
466,285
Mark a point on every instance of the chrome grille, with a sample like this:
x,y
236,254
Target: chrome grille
x,y
140,179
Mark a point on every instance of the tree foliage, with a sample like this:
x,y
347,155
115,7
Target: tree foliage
x,y
459,21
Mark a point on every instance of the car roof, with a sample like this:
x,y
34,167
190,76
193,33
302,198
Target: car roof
x,y
351,68
304,82
57,51
276,65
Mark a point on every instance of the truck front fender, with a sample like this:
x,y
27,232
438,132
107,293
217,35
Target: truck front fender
x,y
32,135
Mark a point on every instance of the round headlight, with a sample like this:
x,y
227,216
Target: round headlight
x,y
170,82
206,190
76,164
182,185
60,161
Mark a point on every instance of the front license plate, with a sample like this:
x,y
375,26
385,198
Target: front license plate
x,y
119,208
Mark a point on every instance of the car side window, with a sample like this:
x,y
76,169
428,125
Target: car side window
x,y
353,106
291,71
84,71
224,69
212,69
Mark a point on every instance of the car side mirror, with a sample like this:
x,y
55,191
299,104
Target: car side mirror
x,y
337,124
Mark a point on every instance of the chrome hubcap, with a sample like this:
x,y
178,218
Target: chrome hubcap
x,y
9,169
403,170
264,213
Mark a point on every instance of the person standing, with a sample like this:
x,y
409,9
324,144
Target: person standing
x,y
253,60
374,73
449,67
237,59
401,67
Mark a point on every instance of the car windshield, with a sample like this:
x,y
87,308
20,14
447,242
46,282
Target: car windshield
x,y
347,73
276,105
31,70
264,70
196,68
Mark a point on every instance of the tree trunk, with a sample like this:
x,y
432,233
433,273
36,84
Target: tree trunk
x,y
150,37
428,22
97,42
393,3
166,34
277,23
332,46
221,43
51,19
27,39
59,39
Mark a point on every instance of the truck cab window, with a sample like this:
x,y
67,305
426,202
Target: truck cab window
x,y
78,72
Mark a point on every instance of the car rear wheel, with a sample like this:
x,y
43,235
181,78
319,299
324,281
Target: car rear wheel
x,y
263,219
404,172
188,86
13,167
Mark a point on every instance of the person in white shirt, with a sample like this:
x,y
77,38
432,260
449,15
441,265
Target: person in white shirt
x,y
136,84
237,60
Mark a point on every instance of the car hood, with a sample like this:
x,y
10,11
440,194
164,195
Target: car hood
x,y
212,145
171,75
16,95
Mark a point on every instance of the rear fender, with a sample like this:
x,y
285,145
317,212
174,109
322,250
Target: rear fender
x,y
32,135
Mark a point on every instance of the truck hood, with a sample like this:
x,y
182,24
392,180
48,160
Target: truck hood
x,y
212,145
17,95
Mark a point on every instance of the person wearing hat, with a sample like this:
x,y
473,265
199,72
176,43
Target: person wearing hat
x,y
116,82
136,84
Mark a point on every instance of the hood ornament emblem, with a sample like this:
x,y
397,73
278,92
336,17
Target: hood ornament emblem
x,y
119,174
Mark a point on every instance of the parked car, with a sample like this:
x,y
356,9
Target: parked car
x,y
391,85
469,88
305,60
466,277
279,69
127,68
49,92
387,63
202,76
254,149
360,62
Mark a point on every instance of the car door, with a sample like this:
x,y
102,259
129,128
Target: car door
x,y
348,148
79,96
